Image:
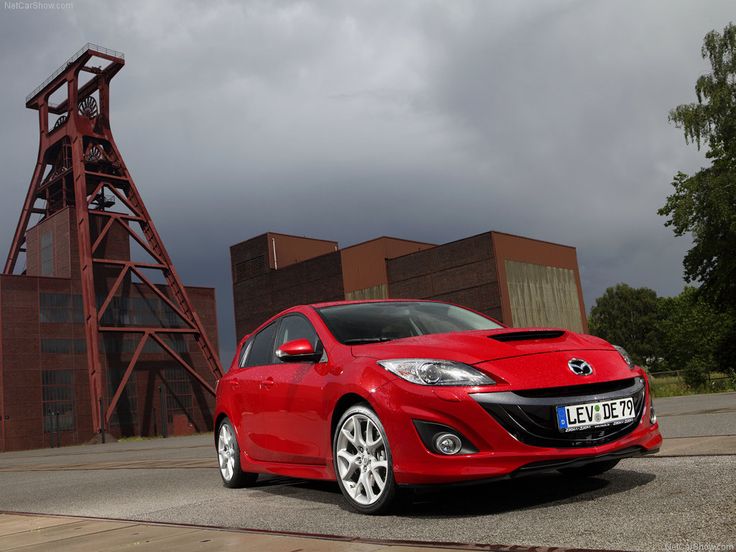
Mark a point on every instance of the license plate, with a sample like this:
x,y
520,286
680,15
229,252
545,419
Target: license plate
x,y
580,416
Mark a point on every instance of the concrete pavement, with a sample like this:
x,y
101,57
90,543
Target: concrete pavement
x,y
685,497
697,415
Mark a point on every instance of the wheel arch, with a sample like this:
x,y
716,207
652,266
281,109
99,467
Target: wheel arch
x,y
341,406
218,420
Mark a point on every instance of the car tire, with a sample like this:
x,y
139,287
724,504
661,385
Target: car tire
x,y
362,461
228,456
590,470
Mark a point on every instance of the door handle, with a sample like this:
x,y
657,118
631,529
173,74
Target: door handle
x,y
234,385
267,383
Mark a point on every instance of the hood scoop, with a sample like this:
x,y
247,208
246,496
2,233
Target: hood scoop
x,y
527,335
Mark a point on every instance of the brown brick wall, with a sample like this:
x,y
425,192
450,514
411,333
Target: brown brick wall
x,y
259,292
364,264
22,362
285,250
62,230
461,272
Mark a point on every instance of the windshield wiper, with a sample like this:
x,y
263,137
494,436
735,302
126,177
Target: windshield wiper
x,y
362,340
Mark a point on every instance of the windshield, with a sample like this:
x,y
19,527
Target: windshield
x,y
375,322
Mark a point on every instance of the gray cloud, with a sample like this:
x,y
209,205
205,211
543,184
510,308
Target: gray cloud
x,y
346,120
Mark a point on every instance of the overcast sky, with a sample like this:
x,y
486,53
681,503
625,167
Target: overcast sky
x,y
344,120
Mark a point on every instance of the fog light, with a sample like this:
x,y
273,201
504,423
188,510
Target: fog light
x,y
447,443
652,415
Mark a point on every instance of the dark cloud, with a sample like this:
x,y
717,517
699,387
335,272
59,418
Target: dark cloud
x,y
346,120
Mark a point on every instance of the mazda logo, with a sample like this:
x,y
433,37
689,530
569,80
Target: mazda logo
x,y
579,367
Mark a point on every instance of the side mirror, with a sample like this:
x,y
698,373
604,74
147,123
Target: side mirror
x,y
298,350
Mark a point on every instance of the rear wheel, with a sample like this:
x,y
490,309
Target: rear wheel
x,y
363,463
590,470
228,456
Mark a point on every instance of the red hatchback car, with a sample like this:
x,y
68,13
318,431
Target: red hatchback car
x,y
381,395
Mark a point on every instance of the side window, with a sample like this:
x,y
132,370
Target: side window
x,y
297,327
260,350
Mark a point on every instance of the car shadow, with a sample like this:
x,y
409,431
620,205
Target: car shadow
x,y
524,493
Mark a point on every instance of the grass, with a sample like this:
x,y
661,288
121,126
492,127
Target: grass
x,y
674,386
137,438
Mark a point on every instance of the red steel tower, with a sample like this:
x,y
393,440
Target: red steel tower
x,y
80,168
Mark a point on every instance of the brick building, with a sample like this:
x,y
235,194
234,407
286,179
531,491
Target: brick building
x,y
98,334
520,281
44,384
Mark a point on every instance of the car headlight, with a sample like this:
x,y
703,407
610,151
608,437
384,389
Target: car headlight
x,y
425,371
626,356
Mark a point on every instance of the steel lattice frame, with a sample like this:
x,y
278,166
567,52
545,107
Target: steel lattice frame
x,y
80,176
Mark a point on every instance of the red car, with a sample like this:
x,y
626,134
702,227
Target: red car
x,y
381,395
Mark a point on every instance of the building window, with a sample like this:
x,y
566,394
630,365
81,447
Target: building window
x,y
58,400
125,413
139,311
61,308
63,346
47,253
178,384
127,345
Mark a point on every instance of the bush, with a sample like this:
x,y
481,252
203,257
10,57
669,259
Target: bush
x,y
696,371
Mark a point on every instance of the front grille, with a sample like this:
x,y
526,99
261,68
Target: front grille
x,y
578,390
530,415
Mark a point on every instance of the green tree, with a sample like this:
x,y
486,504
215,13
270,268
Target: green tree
x,y
691,335
704,204
628,317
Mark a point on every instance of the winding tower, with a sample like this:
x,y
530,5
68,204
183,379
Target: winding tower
x,y
116,252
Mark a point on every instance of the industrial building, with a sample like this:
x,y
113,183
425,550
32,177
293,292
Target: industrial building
x,y
98,335
519,281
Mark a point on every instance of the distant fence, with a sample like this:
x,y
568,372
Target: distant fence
x,y
710,376
714,381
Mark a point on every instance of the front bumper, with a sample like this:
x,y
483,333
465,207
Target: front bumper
x,y
547,466
504,448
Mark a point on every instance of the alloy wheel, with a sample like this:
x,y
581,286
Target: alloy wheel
x,y
362,459
226,452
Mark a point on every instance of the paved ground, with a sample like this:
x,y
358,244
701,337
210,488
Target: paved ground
x,y
653,503
34,533
697,415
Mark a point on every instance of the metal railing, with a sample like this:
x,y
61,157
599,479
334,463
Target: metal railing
x,y
84,49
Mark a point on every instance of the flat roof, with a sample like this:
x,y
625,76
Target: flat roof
x,y
531,239
266,234
388,238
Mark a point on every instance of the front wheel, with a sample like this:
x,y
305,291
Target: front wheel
x,y
228,456
363,463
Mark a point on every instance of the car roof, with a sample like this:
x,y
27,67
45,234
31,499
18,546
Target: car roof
x,y
362,301
303,307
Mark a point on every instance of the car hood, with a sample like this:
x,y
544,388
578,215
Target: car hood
x,y
473,347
